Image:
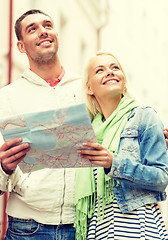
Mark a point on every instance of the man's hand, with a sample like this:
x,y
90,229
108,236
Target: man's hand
x,y
98,154
12,152
166,136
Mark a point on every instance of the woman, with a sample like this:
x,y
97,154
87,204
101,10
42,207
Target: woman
x,y
119,199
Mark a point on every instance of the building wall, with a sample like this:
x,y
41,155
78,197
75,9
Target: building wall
x,y
137,33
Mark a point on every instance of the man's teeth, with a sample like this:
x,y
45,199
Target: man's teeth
x,y
46,42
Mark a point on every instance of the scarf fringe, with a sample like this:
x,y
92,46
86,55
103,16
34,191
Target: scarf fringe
x,y
86,208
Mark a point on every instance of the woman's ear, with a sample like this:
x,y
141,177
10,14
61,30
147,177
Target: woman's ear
x,y
125,89
20,47
89,90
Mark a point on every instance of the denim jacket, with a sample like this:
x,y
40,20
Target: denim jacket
x,y
141,165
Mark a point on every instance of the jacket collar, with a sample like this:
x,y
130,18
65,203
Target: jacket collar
x,y
34,78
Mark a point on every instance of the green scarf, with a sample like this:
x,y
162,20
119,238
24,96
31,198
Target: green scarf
x,y
108,134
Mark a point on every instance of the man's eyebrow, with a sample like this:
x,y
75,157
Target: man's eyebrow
x,y
48,21
32,24
28,26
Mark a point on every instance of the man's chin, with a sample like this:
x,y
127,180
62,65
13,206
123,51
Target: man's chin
x,y
46,59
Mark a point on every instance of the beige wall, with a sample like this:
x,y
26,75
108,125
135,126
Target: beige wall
x,y
138,35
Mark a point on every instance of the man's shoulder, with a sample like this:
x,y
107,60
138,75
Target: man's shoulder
x,y
71,77
10,86
16,83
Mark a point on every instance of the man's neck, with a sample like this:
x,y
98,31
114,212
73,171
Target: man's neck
x,y
49,71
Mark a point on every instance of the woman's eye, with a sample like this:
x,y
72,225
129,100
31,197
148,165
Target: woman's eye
x,y
99,70
115,67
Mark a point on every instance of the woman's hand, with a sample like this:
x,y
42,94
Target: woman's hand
x,y
166,136
98,154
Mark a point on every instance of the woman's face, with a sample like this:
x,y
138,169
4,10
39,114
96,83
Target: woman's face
x,y
106,78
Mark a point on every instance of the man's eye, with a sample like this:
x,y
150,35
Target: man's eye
x,y
31,29
48,26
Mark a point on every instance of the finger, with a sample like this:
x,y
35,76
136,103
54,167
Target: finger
x,y
99,163
105,164
95,157
93,145
6,162
9,168
167,143
13,151
17,156
8,144
166,134
90,152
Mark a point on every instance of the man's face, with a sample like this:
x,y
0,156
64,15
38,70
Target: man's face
x,y
39,39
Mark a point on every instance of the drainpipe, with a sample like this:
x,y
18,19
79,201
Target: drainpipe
x,y
5,196
4,220
10,41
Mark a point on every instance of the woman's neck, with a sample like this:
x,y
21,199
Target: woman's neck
x,y
109,106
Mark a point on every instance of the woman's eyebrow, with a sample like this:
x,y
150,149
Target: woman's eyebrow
x,y
99,66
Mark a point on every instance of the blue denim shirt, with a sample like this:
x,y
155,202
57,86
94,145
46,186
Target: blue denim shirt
x,y
141,165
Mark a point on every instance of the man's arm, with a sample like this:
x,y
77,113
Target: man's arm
x,y
166,136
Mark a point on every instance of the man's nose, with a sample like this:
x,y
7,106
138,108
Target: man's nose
x,y
42,32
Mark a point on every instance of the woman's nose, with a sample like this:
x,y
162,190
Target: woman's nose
x,y
109,72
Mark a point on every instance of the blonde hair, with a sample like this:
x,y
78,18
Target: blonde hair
x,y
90,100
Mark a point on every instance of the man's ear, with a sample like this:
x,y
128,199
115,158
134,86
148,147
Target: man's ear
x,y
20,47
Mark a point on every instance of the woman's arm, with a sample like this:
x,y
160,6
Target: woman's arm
x,y
150,171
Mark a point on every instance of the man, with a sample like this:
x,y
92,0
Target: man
x,y
41,203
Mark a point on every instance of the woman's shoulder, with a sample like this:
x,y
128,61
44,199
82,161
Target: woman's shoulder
x,y
147,116
144,111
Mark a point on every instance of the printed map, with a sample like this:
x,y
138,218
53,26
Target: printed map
x,y
54,137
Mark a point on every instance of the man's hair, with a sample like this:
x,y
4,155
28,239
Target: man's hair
x,y
18,28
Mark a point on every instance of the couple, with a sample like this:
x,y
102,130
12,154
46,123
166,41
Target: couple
x,y
117,200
